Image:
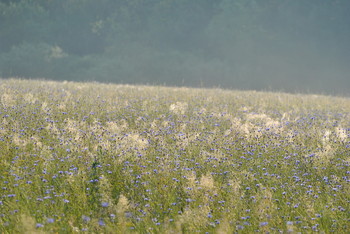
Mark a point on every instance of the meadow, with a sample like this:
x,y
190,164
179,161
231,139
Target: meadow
x,y
107,158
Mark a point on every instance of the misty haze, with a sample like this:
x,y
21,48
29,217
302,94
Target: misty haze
x,y
285,45
174,116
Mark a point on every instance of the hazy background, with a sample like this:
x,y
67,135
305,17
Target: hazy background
x,y
284,45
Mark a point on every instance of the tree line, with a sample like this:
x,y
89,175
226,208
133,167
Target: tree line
x,y
252,44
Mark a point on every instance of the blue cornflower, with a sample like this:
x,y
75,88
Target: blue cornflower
x,y
101,222
39,225
86,218
263,224
104,204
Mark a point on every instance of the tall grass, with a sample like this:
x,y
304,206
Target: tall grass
x,y
107,158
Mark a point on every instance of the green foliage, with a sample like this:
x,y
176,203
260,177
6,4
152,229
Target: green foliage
x,y
22,22
41,60
248,44
26,59
170,67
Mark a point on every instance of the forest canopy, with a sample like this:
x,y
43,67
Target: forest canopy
x,y
289,45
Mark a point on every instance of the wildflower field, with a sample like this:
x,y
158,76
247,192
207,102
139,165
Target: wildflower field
x,y
104,158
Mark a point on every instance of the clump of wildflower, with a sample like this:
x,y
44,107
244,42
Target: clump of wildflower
x,y
105,191
178,108
123,204
194,218
121,210
28,224
207,181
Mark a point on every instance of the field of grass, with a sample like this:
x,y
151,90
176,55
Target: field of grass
x,y
105,158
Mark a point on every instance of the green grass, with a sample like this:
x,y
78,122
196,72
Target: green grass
x,y
105,158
